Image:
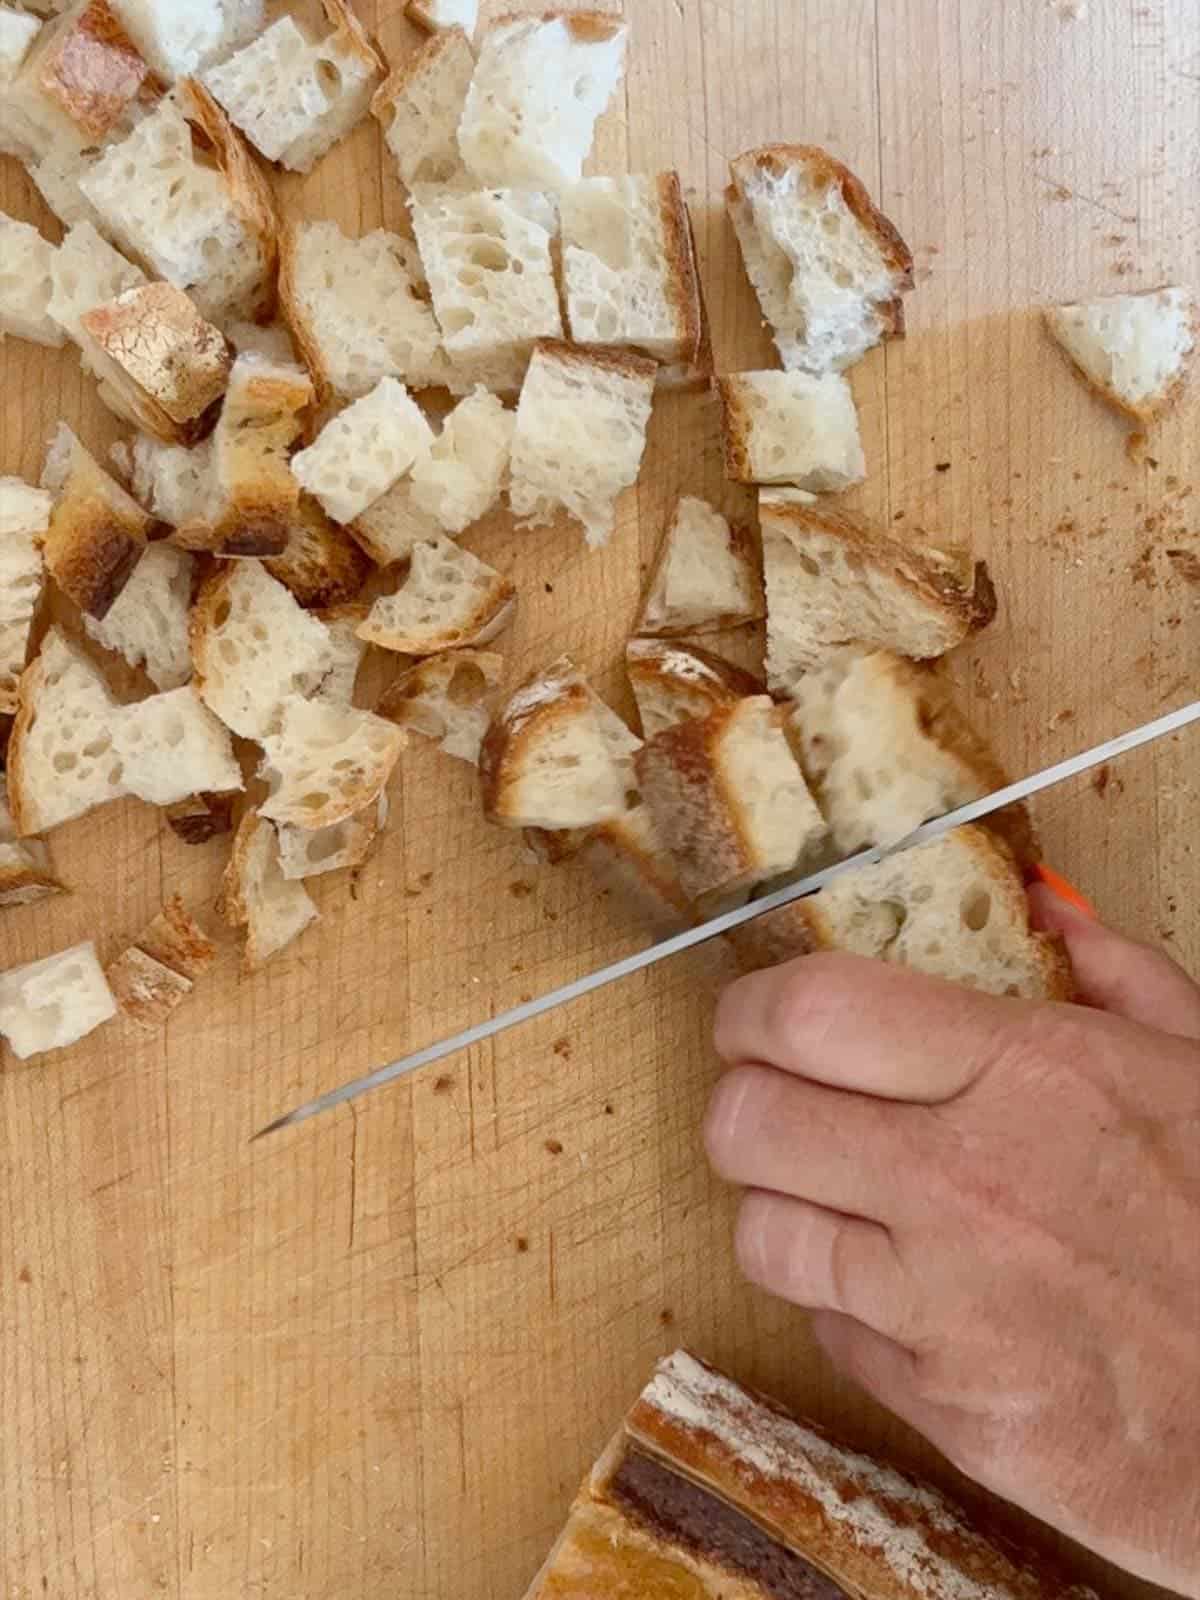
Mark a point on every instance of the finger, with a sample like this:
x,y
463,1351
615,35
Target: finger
x,y
824,1261
766,1130
1119,975
881,1366
864,1025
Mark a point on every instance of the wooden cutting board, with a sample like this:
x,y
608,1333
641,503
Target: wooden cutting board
x,y
375,1356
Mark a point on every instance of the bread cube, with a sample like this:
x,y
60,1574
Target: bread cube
x,y
673,681
419,106
86,272
446,698
326,763
449,598
459,478
706,576
26,283
97,532
791,428
359,455
24,519
1133,349
175,36
147,624
257,898
55,1002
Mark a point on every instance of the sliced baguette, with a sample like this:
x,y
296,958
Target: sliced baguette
x,y
311,852
553,759
791,428
707,575
629,269
834,581
272,910
419,106
160,364
729,801
261,419
24,519
327,763
674,681
320,564
148,622
628,858
448,599
540,84
458,479
580,435
254,648
87,272
354,308
1133,349
446,698
294,96
359,455
828,268
97,532
25,872
55,1002
26,284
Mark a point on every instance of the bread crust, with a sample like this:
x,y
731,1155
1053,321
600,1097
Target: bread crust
x,y
260,421
249,191
696,374
320,563
176,940
736,424
556,694
745,552
682,278
623,362
688,675
423,60
492,613
89,67
96,536
146,991
586,27
1150,410
350,36
24,884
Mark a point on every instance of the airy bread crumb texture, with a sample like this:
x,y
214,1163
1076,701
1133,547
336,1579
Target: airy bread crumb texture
x,y
419,107
791,428
326,763
706,576
148,622
1134,349
448,599
359,454
273,911
55,1002
447,699
24,519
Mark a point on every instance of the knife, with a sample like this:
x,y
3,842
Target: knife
x,y
975,811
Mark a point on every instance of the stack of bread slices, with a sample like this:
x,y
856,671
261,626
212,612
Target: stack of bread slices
x,y
317,420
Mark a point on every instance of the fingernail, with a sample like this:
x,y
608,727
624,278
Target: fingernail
x,y
1062,888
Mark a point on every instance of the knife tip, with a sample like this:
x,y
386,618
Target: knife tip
x,y
273,1127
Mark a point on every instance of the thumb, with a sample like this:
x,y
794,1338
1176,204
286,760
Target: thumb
x,y
1117,974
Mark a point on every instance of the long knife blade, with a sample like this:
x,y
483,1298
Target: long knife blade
x,y
975,811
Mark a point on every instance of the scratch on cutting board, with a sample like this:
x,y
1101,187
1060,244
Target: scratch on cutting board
x,y
462,1445
353,1174
550,1265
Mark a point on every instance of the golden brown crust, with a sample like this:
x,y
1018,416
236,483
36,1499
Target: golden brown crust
x,y
291,309
176,940
694,680
697,373
424,59
146,991
96,536
1157,406
24,883
557,693
88,66
350,36
736,425
491,614
261,419
249,191
588,27
622,362
827,172
682,277
321,564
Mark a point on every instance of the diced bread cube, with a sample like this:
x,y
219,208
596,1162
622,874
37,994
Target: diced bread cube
x,y
460,476
419,106
26,283
257,898
347,650
55,1002
321,564
257,495
448,599
707,574
24,519
177,941
539,87
174,484
354,310
629,859
148,622
677,682
172,746
488,257
580,435
828,268
80,83
146,992
311,852
327,763
391,527
97,532
86,271
447,699
359,454
1133,349
175,36
729,801
791,428
834,582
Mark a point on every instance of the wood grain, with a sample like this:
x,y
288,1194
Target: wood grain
x,y
374,1357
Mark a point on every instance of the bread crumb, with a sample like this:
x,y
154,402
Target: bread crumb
x,y
1142,570
1186,563
554,1147
522,1246
562,1048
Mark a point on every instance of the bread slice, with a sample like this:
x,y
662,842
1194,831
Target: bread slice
x,y
25,874
172,746
327,763
176,941
61,761
26,284
310,852
446,698
261,420
435,14
24,519
834,581
459,478
97,532
255,896
347,650
628,858
254,648
1133,349
354,308
828,268
541,83
148,622
729,801
320,563
81,81
954,909
160,364
555,757
674,681
707,575
420,104
55,1002
295,96
580,435
488,256
175,36
629,269
359,455
85,272
885,748
183,195
791,428
449,599
146,992
174,484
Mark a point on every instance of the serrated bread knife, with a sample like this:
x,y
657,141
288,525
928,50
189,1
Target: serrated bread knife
x,y
727,921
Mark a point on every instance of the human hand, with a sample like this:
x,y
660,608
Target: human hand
x,y
992,1209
